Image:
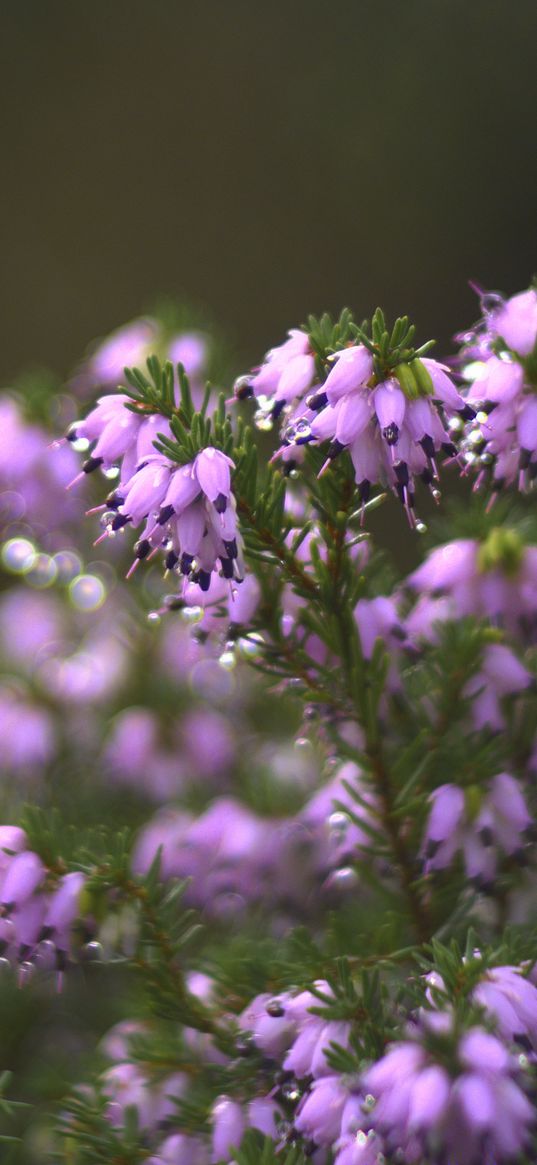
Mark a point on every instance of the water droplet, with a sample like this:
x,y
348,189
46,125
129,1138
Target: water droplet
x,y
523,1062
227,660
338,823
290,1092
5,965
192,615
106,520
368,1103
93,951
111,473
343,879
18,555
251,646
436,494
80,444
455,424
153,618
26,973
421,528
87,592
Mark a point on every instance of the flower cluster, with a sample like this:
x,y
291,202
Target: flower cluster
x,y
499,363
478,822
464,1104
188,511
130,345
236,858
495,579
39,911
391,414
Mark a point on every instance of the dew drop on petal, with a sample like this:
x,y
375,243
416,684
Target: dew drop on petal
x,y
227,660
192,615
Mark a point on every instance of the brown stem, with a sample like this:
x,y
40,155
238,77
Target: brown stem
x,y
417,907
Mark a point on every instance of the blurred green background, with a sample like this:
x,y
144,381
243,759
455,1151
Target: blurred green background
x,y
263,160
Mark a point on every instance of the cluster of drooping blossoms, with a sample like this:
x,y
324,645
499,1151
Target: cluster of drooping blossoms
x,y
443,1097
188,512
442,1093
129,347
393,418
236,858
499,363
494,579
480,823
39,911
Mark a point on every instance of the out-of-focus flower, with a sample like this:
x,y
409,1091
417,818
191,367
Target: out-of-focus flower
x,y
480,823
498,361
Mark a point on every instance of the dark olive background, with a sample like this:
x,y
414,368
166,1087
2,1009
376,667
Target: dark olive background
x,y
263,159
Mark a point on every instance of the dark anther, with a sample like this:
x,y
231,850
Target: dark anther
x,y
171,560
227,567
92,463
220,503
277,409
114,501
467,413
120,521
400,469
231,548
391,434
427,445
334,449
142,548
166,513
186,563
204,579
319,400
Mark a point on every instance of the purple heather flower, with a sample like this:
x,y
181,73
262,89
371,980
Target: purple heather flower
x,y
126,1086
458,1113
516,322
319,1116
502,442
286,375
189,512
181,1149
23,875
126,347
394,428
511,999
190,349
359,1148
495,579
64,908
228,1128
488,821
263,1114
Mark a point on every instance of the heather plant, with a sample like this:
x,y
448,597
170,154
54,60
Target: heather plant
x,y
298,849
